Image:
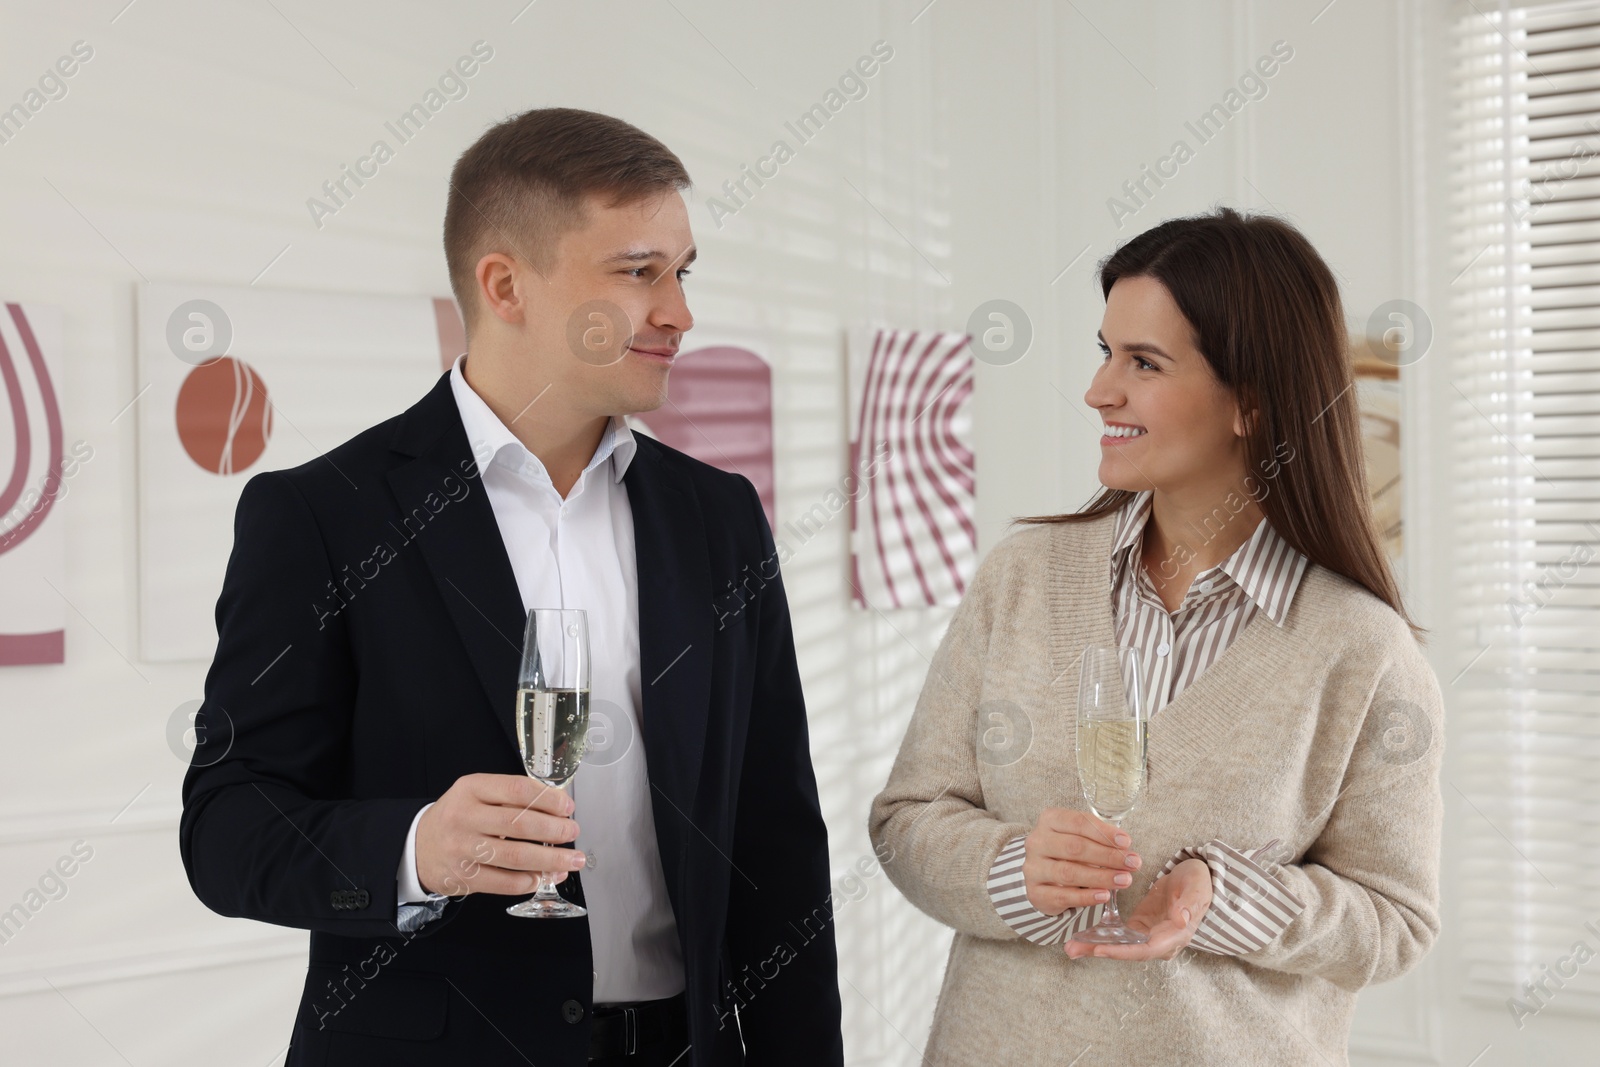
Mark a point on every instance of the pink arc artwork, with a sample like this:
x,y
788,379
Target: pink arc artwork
x,y
720,412
34,478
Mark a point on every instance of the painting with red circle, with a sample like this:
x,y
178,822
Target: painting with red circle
x,y
224,418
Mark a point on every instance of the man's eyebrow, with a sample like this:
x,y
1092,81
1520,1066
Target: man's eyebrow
x,y
1138,346
644,255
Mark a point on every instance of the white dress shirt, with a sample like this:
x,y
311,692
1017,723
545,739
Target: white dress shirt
x,y
579,553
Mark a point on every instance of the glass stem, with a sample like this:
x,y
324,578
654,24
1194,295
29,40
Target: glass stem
x,y
1109,916
547,887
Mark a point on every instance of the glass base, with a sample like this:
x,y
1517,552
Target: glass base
x,y
1111,934
534,908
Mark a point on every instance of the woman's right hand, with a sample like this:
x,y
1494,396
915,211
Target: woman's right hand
x,y
1074,859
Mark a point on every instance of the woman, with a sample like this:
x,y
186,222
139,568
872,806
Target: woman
x,y
1285,852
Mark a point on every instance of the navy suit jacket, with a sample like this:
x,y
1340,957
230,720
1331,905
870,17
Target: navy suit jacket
x,y
369,633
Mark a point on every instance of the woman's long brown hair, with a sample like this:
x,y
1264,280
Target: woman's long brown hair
x,y
1266,315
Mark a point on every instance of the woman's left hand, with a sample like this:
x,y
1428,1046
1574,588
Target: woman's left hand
x,y
1169,913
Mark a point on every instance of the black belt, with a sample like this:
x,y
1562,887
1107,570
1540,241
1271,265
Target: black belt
x,y
624,1029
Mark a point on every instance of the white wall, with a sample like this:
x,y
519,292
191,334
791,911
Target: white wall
x,y
978,166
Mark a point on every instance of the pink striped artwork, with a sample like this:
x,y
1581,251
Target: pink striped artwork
x,y
33,473
913,539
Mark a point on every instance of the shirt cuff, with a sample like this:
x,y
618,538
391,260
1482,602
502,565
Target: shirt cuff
x,y
1009,895
416,905
1250,906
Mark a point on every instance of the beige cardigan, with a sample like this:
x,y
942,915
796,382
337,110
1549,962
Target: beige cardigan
x,y
1326,732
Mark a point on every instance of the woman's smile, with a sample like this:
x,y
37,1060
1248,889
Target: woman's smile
x,y
1120,433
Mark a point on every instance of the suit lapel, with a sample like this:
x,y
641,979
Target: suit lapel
x,y
675,618
460,542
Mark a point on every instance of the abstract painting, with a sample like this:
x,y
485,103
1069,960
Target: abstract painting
x,y
235,380
911,482
36,471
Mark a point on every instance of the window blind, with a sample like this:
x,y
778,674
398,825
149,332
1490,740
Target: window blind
x,y
1524,210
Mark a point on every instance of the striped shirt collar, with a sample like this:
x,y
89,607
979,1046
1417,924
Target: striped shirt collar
x,y
1266,567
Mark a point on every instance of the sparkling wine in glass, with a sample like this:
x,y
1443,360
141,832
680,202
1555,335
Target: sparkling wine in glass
x,y
1111,758
553,723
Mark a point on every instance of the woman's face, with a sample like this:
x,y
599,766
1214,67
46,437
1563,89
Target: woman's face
x,y
1152,377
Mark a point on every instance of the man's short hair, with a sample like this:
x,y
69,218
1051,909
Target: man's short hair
x,y
522,185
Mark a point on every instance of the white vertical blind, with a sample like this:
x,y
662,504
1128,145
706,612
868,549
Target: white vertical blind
x,y
1525,312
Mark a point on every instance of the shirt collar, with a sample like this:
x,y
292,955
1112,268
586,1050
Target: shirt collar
x,y
488,436
1266,567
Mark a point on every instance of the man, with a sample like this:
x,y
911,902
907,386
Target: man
x,y
359,776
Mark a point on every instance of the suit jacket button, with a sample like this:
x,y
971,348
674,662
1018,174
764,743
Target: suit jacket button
x,y
362,899
572,1011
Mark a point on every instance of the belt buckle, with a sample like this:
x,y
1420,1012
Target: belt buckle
x,y
630,1029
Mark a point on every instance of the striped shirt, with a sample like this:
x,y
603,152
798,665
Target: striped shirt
x,y
1250,906
1261,575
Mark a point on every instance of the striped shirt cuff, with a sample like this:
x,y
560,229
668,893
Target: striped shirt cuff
x,y
412,917
1250,906
1009,895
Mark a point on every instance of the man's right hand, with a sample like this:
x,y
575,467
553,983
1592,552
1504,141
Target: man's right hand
x,y
1074,859
493,833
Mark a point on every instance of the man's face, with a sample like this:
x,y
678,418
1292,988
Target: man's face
x,y
608,316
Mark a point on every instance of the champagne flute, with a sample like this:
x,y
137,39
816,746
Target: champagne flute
x,y
553,723
1111,758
